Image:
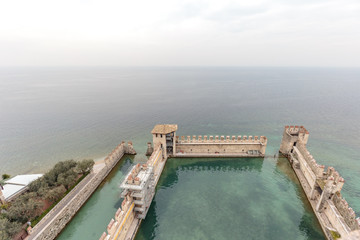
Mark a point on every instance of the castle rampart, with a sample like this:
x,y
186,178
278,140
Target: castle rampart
x,y
234,146
138,191
322,188
53,223
164,135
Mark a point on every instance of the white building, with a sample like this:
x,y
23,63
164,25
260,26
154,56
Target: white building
x,y
16,185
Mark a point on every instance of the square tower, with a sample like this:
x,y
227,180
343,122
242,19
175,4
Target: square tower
x,y
291,135
164,135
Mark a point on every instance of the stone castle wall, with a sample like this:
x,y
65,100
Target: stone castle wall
x,y
323,188
317,169
346,212
55,227
240,145
124,216
119,227
291,135
305,168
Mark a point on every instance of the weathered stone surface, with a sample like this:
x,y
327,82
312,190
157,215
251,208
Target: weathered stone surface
x,y
149,150
321,187
60,221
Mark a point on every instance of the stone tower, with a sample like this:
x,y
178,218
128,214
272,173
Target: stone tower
x,y
290,136
164,135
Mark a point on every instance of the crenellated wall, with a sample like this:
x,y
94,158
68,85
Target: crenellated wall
x,y
138,191
322,188
346,211
210,146
124,217
291,135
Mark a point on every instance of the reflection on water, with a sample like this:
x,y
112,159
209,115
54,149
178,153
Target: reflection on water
x,y
308,219
91,221
51,114
227,199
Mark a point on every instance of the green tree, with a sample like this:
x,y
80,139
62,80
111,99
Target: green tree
x,y
24,208
43,191
55,193
13,228
9,229
67,178
3,229
5,176
85,166
51,177
38,184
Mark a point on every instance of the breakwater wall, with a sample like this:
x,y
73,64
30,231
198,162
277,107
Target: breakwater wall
x,y
53,223
220,146
138,193
322,186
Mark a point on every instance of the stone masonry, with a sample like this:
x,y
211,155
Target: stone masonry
x,y
51,230
322,187
138,192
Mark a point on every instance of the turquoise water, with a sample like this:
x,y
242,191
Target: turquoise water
x,y
52,114
228,199
100,207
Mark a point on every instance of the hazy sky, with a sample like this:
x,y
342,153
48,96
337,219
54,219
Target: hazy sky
x,y
180,33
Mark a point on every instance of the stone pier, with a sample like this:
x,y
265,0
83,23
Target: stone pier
x,y
321,186
53,223
138,192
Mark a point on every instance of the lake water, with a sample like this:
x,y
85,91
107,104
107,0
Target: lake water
x,y
51,114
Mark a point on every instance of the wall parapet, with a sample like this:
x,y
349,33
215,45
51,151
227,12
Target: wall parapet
x,y
325,192
346,212
117,228
244,139
138,190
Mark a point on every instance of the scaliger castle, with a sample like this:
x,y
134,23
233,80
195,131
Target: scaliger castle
x,y
322,187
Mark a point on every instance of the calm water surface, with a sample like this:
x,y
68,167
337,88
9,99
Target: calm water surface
x,y
229,199
52,114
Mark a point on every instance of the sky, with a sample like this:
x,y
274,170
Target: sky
x,y
323,33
